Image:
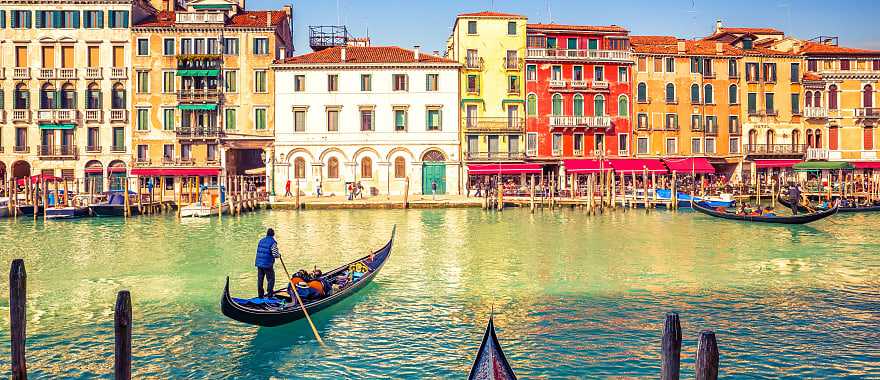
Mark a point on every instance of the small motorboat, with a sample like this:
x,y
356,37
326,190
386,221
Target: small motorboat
x,y
720,212
848,209
281,308
490,362
211,201
4,207
67,212
115,205
684,200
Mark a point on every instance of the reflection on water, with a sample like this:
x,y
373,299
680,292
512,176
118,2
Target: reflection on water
x,y
574,296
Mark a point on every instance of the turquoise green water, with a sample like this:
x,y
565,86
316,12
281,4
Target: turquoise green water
x,y
574,296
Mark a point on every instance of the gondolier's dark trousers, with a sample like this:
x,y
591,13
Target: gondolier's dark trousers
x,y
269,274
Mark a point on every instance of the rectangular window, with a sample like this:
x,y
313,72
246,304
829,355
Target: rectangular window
x,y
260,119
813,66
531,73
712,124
432,82
401,118
670,64
796,104
118,19
557,144
433,122
876,65
230,81
709,146
732,68
513,84
143,47
751,72
642,122
261,46
511,28
168,152
696,65
472,27
20,19
473,84
844,64
260,81
168,82
622,76
118,139
642,64
532,144
598,73
733,145
795,73
733,125
299,119
332,82
622,144
696,145
696,123
186,152
551,43
186,46
578,144
93,19
367,120
332,119
231,123
142,153
213,46
366,82
577,73
593,44
299,83
168,46
642,145
211,155
556,72
199,45
143,82
770,72
143,119
671,122
399,82
752,103
230,46
168,119
768,104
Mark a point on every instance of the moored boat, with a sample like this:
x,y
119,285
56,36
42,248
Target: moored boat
x,y
491,362
211,201
801,208
777,219
67,212
114,206
198,210
282,309
684,200
4,207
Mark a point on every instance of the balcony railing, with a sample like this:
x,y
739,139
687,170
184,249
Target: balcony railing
x,y
580,121
605,55
198,133
494,156
93,73
776,149
557,83
45,73
117,148
21,149
66,73
473,63
21,115
600,84
579,84
54,115
868,113
118,115
95,116
817,154
21,73
118,73
200,17
513,64
142,161
94,149
494,124
208,95
712,131
199,61
815,112
59,152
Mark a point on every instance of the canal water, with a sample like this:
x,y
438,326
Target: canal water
x,y
574,296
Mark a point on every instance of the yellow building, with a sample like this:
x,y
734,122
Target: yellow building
x,y
687,99
491,46
203,88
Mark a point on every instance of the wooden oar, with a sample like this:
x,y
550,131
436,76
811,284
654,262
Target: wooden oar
x,y
299,300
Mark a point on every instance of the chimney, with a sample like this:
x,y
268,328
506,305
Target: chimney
x,y
682,47
437,52
416,52
288,10
166,5
268,19
719,48
342,57
718,26
282,52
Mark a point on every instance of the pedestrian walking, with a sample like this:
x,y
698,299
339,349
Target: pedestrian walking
x,y
287,189
318,191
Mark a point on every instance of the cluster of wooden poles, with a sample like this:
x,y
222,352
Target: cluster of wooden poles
x,y
706,364
36,194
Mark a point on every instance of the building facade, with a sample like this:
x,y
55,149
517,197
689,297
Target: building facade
x,y
203,99
491,47
577,92
67,80
384,117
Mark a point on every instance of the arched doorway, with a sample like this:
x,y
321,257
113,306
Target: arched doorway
x,y
433,170
116,174
21,169
2,174
94,177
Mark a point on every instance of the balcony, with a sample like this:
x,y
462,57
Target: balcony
x,y
867,113
207,95
199,62
600,84
580,54
142,161
473,63
817,154
579,84
671,100
118,73
712,131
771,112
513,64
494,124
776,149
94,116
118,116
45,73
815,112
53,115
21,115
117,149
557,84
93,73
198,133
94,149
21,73
21,149
494,156
580,121
200,17
57,152
66,73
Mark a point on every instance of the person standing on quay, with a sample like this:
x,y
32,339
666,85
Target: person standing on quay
x,y
267,251
287,189
433,190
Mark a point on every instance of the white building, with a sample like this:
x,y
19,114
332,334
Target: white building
x,y
375,115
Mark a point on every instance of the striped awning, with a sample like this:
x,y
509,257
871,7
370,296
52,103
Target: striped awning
x,y
57,126
197,107
198,73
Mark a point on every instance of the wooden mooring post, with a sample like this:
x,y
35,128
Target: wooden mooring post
x,y
670,352
706,364
17,320
122,330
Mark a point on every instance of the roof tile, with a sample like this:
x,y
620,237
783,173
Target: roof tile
x,y
253,19
579,28
366,54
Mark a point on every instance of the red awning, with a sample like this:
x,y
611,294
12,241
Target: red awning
x,y
698,165
97,170
866,164
39,178
494,169
586,166
637,165
177,172
776,163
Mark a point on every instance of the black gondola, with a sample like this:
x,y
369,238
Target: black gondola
x,y
28,210
490,362
794,219
114,206
782,200
281,310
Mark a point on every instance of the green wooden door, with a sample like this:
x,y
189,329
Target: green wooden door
x,y
433,172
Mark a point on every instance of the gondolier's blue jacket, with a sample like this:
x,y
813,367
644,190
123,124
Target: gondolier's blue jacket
x,y
267,251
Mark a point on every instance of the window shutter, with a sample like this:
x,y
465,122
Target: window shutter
x,y
100,18
124,19
76,19
40,16
112,18
3,19
57,18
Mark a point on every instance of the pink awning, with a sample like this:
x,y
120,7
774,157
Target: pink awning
x,y
97,170
39,178
866,164
586,166
776,163
177,172
638,165
493,169
698,165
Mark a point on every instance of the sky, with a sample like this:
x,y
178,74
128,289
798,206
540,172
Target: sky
x,y
429,22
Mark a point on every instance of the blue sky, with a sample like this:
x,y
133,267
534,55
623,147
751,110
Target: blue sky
x,y
428,23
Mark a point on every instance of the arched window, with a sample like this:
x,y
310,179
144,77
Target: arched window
x,y
868,97
117,97
817,138
47,97
68,97
399,167
433,156
832,97
817,99
753,137
733,94
299,168
708,94
810,138
366,168
622,105
795,137
533,105
670,93
578,105
333,168
808,99
22,97
770,139
695,93
599,105
642,93
557,105
93,97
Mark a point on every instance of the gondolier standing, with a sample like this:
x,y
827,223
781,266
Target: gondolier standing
x,y
267,251
794,196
